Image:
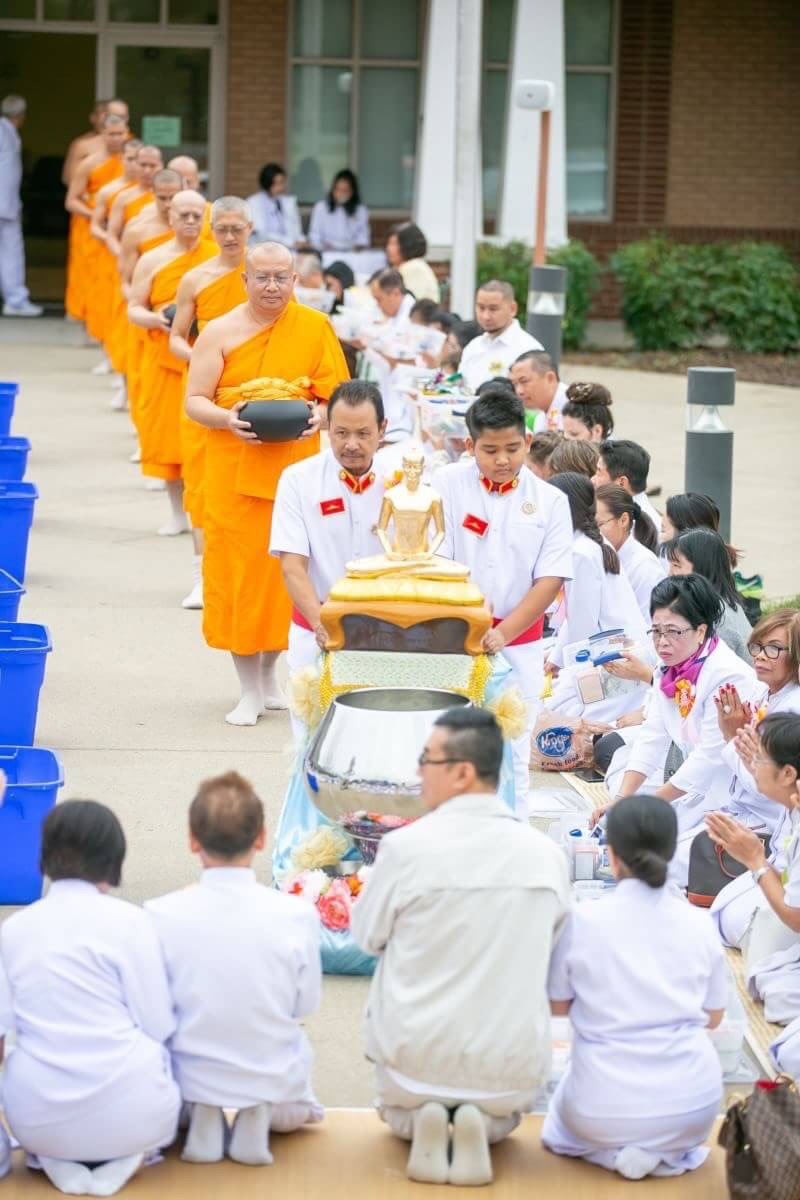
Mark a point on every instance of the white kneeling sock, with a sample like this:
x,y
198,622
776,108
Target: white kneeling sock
x,y
249,1142
205,1141
471,1164
427,1162
111,1176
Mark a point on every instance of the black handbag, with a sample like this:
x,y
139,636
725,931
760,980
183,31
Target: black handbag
x,y
711,868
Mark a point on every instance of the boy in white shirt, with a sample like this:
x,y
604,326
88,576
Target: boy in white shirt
x,y
503,339
514,532
243,963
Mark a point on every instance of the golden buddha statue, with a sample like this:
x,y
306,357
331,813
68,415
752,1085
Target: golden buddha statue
x,y
410,506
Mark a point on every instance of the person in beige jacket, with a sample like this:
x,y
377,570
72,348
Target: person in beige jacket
x,y
462,909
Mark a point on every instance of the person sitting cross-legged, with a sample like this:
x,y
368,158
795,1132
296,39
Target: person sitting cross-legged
x,y
244,967
462,908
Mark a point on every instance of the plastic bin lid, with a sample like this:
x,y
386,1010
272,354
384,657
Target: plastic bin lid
x,y
9,490
8,385
31,766
21,637
14,443
9,585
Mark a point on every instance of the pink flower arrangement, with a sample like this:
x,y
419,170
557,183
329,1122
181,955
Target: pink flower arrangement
x,y
333,898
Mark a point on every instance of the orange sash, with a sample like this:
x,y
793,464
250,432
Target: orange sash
x,y
135,206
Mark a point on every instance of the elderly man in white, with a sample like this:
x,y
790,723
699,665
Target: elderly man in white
x,y
16,300
462,908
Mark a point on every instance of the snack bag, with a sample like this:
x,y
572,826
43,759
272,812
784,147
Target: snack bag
x,y
560,743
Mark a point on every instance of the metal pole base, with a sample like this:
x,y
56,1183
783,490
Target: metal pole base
x,y
709,470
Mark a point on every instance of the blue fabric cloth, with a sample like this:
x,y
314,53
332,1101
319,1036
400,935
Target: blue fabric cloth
x,y
300,817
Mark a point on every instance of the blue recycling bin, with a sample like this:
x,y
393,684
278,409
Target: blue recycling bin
x,y
8,396
14,453
23,653
34,776
16,517
11,592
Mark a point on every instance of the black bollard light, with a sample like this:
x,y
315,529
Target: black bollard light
x,y
546,306
709,444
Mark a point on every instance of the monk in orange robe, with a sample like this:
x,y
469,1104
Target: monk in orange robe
x,y
207,292
81,148
130,203
126,341
95,171
246,606
100,302
154,287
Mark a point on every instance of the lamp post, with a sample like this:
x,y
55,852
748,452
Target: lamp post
x,y
709,445
548,285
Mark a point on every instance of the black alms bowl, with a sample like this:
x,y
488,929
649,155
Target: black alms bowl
x,y
276,420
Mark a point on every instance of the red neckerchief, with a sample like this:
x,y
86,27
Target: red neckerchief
x,y
357,485
499,489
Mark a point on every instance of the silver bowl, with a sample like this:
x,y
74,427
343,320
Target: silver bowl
x,y
364,754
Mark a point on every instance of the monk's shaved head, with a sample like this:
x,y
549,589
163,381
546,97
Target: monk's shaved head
x,y
269,254
187,168
230,204
189,198
113,121
146,151
167,176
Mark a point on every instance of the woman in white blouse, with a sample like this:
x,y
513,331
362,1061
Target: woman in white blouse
x,y
635,539
83,983
340,221
275,214
406,248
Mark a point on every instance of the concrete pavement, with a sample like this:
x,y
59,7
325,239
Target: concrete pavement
x,y
134,701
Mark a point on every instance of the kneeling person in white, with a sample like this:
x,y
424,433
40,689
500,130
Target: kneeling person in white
x,y
462,908
641,975
83,982
326,510
514,533
244,966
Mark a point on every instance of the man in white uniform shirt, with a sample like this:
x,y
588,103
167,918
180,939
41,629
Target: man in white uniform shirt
x,y
462,908
502,340
514,532
16,300
394,304
326,510
627,464
244,968
536,382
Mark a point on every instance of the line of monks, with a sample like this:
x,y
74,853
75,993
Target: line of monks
x,y
189,319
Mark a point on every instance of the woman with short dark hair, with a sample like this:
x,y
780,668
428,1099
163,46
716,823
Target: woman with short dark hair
x,y
642,976
275,214
340,221
83,982
406,248
703,552
696,668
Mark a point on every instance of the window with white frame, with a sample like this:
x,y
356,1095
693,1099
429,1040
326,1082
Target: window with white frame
x,y
589,57
354,93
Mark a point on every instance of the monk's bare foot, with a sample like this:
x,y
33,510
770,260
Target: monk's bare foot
x,y
247,711
174,527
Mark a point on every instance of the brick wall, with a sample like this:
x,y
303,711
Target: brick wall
x,y
257,67
734,154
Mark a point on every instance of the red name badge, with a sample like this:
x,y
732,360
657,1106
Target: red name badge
x,y
475,524
329,507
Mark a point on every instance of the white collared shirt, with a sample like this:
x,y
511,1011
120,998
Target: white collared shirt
x,y
644,570
468,871
527,535
275,219
486,356
244,966
596,600
551,418
338,230
316,515
643,501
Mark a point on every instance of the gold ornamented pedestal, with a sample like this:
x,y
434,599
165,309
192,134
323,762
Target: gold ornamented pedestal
x,y
407,596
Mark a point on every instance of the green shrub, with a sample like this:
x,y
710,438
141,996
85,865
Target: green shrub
x,y
675,296
512,262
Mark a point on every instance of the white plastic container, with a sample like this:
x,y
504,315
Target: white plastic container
x,y
728,1037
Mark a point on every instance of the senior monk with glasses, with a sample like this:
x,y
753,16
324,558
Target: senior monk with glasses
x,y
270,347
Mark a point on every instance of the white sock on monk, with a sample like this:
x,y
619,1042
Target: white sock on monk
x,y
177,522
471,1164
271,689
427,1162
195,596
251,705
119,396
136,457
108,1179
249,1142
205,1141
103,367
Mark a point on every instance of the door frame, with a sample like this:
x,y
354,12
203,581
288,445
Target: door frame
x,y
213,40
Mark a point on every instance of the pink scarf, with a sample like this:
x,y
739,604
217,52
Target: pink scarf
x,y
688,670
